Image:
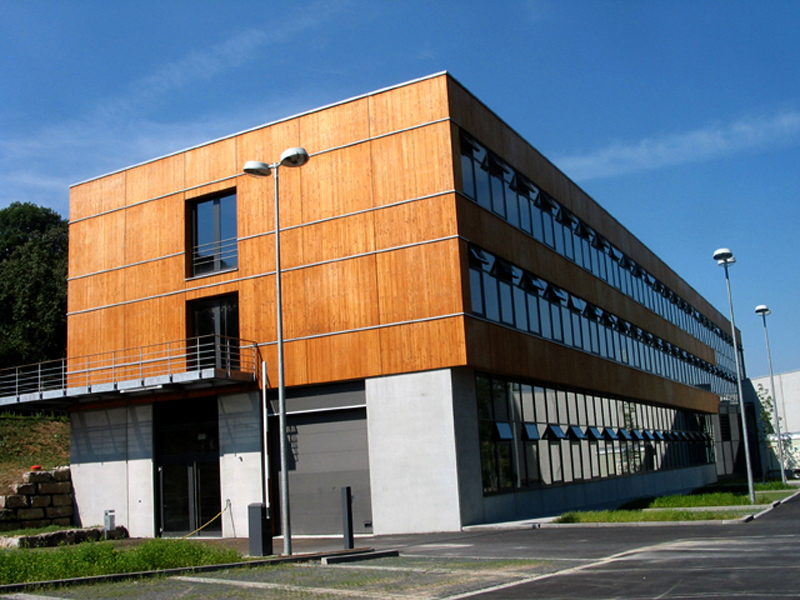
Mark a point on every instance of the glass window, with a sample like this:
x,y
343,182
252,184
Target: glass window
x,y
520,309
476,290
491,301
468,175
213,332
214,244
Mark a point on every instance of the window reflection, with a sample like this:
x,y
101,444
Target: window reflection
x,y
497,187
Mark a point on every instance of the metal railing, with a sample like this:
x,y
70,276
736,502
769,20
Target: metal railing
x,y
229,355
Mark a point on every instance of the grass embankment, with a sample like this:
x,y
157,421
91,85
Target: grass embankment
x,y
678,507
31,440
102,558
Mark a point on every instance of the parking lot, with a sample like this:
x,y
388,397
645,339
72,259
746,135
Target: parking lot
x,y
752,560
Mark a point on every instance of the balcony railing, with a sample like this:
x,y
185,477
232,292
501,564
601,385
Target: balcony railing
x,y
183,361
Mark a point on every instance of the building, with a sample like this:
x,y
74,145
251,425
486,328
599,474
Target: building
x,y
786,398
469,337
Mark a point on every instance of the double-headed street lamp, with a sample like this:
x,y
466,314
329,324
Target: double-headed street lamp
x,y
763,310
292,157
724,257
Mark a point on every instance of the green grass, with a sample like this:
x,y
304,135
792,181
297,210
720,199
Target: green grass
x,y
102,558
27,440
707,499
635,516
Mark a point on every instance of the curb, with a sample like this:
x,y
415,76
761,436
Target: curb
x,y
547,522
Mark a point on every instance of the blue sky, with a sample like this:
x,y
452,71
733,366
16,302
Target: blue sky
x,y
682,118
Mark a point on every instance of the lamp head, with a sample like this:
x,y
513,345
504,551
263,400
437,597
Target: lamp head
x,y
294,157
724,256
258,168
763,310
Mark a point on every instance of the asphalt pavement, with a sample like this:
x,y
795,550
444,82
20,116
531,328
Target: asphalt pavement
x,y
752,560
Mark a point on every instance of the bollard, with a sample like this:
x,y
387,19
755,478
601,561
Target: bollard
x,y
347,517
109,522
259,529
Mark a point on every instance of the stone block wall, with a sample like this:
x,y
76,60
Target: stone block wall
x,y
43,498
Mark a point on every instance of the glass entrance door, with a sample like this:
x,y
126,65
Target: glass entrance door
x,y
213,333
187,455
189,497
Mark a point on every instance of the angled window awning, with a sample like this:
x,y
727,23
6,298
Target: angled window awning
x,y
660,436
554,433
503,270
609,434
531,284
477,257
594,434
575,433
624,435
637,435
530,432
503,431
650,435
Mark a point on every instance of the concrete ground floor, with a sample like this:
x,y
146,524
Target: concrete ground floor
x,y
417,450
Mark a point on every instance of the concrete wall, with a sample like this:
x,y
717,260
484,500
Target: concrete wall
x,y
787,396
413,464
241,469
599,494
111,458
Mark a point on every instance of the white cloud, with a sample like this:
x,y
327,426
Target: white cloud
x,y
120,129
746,134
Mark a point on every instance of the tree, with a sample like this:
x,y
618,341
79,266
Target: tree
x,y
766,430
22,222
33,284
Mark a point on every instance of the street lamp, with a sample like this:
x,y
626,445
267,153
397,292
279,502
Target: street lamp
x,y
724,257
763,310
292,157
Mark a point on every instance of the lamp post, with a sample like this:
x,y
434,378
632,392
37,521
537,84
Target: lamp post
x,y
292,157
724,257
763,310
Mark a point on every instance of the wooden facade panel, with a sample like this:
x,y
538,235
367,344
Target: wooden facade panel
x,y
155,229
414,222
155,179
95,332
435,344
420,282
257,255
408,106
211,162
257,309
97,196
152,278
336,183
337,296
156,321
338,238
523,356
97,244
335,126
102,289
295,363
255,205
352,355
209,288
412,164
266,145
